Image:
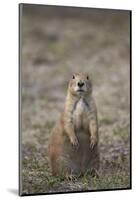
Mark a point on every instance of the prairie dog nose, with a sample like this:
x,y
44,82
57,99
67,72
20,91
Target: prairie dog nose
x,y
80,84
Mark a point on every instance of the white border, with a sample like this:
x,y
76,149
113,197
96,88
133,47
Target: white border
x,y
9,97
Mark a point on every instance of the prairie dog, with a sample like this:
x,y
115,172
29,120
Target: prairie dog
x,y
73,144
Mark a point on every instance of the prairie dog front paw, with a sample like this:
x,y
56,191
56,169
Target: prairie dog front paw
x,y
93,142
74,142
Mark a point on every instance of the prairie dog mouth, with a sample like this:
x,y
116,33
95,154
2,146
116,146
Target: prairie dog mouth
x,y
80,90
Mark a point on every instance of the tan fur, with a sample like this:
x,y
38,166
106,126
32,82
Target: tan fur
x,y
73,144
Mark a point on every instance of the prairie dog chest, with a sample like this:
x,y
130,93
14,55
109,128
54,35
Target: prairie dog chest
x,y
81,109
80,114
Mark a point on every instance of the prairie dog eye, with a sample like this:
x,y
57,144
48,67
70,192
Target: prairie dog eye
x,y
87,78
73,77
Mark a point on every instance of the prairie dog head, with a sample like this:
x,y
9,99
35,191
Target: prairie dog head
x,y
80,85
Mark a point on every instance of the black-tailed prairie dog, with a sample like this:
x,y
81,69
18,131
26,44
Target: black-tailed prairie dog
x,y
73,144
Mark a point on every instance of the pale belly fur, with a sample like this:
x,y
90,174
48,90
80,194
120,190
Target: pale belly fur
x,y
80,117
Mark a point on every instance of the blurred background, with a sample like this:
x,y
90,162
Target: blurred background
x,y
56,42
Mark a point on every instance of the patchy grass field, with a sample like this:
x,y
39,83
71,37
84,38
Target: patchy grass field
x,y
55,44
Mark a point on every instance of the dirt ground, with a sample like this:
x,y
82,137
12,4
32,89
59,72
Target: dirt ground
x,y
55,43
